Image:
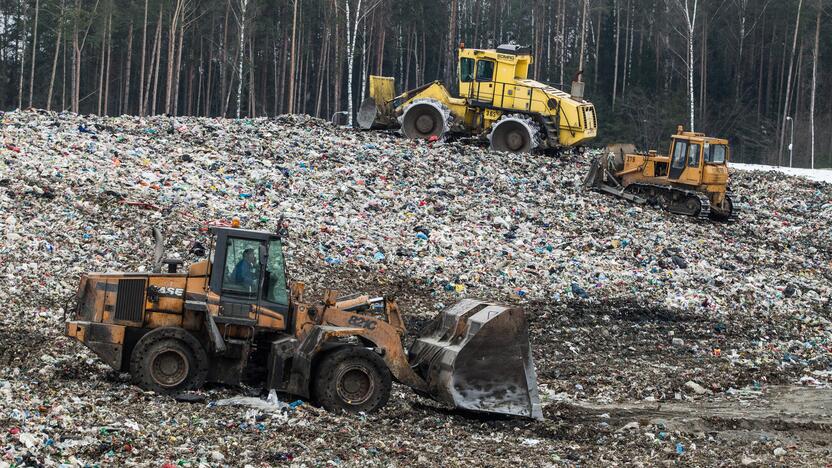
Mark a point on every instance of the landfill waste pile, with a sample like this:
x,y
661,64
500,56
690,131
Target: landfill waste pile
x,y
658,339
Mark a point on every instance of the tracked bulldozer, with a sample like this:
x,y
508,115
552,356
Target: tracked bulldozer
x,y
497,103
234,318
692,180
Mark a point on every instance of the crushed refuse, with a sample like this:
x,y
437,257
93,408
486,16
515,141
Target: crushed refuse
x,y
626,303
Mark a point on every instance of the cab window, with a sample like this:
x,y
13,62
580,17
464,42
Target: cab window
x,y
680,150
485,70
693,155
276,275
715,154
466,70
242,267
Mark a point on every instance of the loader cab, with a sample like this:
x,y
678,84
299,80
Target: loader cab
x,y
487,77
248,273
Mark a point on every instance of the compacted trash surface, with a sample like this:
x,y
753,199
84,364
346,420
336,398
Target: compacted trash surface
x,y
658,339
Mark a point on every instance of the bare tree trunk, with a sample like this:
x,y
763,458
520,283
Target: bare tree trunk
x,y
252,102
562,38
157,65
789,85
55,60
293,59
364,62
816,58
351,34
703,72
689,17
760,74
102,65
34,50
224,59
172,36
178,69
617,14
243,4
322,65
125,105
22,18
597,53
109,62
451,46
583,41
339,68
283,70
206,106
76,58
141,70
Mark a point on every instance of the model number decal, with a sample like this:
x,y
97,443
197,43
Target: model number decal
x,y
362,322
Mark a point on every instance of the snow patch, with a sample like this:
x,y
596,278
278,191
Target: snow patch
x,y
819,175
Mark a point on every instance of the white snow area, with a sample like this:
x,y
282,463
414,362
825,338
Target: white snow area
x,y
820,175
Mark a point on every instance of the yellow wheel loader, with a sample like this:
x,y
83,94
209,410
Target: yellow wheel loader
x,y
692,180
497,103
234,318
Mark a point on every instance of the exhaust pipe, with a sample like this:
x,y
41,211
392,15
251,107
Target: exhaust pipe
x,y
158,250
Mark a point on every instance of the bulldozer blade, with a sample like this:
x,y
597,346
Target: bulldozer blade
x,y
477,356
594,177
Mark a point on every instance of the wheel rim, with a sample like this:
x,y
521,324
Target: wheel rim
x,y
511,136
355,385
422,121
514,140
425,124
169,368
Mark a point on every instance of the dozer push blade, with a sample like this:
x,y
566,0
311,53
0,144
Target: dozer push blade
x,y
476,356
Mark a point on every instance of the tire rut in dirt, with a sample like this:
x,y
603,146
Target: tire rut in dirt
x,y
21,348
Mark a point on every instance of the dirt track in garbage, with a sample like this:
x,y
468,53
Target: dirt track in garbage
x,y
583,351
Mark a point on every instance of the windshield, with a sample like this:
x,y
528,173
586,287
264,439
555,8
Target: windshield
x,y
716,154
276,275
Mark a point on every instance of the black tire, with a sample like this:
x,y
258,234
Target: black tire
x,y
352,379
169,361
422,121
511,136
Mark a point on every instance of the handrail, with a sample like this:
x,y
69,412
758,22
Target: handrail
x,y
502,96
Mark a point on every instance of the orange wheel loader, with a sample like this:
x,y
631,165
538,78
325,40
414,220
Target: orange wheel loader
x,y
234,317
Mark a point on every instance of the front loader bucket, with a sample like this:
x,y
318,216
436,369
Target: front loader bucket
x,y
476,356
377,111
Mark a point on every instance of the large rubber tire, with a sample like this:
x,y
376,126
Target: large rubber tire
x,y
422,121
169,361
511,136
352,379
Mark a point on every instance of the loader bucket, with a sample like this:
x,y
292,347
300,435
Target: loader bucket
x,y
376,112
476,356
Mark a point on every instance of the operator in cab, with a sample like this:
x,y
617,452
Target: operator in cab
x,y
245,273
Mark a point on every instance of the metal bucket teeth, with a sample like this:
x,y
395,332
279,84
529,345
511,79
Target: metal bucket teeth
x,y
476,356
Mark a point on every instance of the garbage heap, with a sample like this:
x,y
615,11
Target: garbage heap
x,y
443,220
